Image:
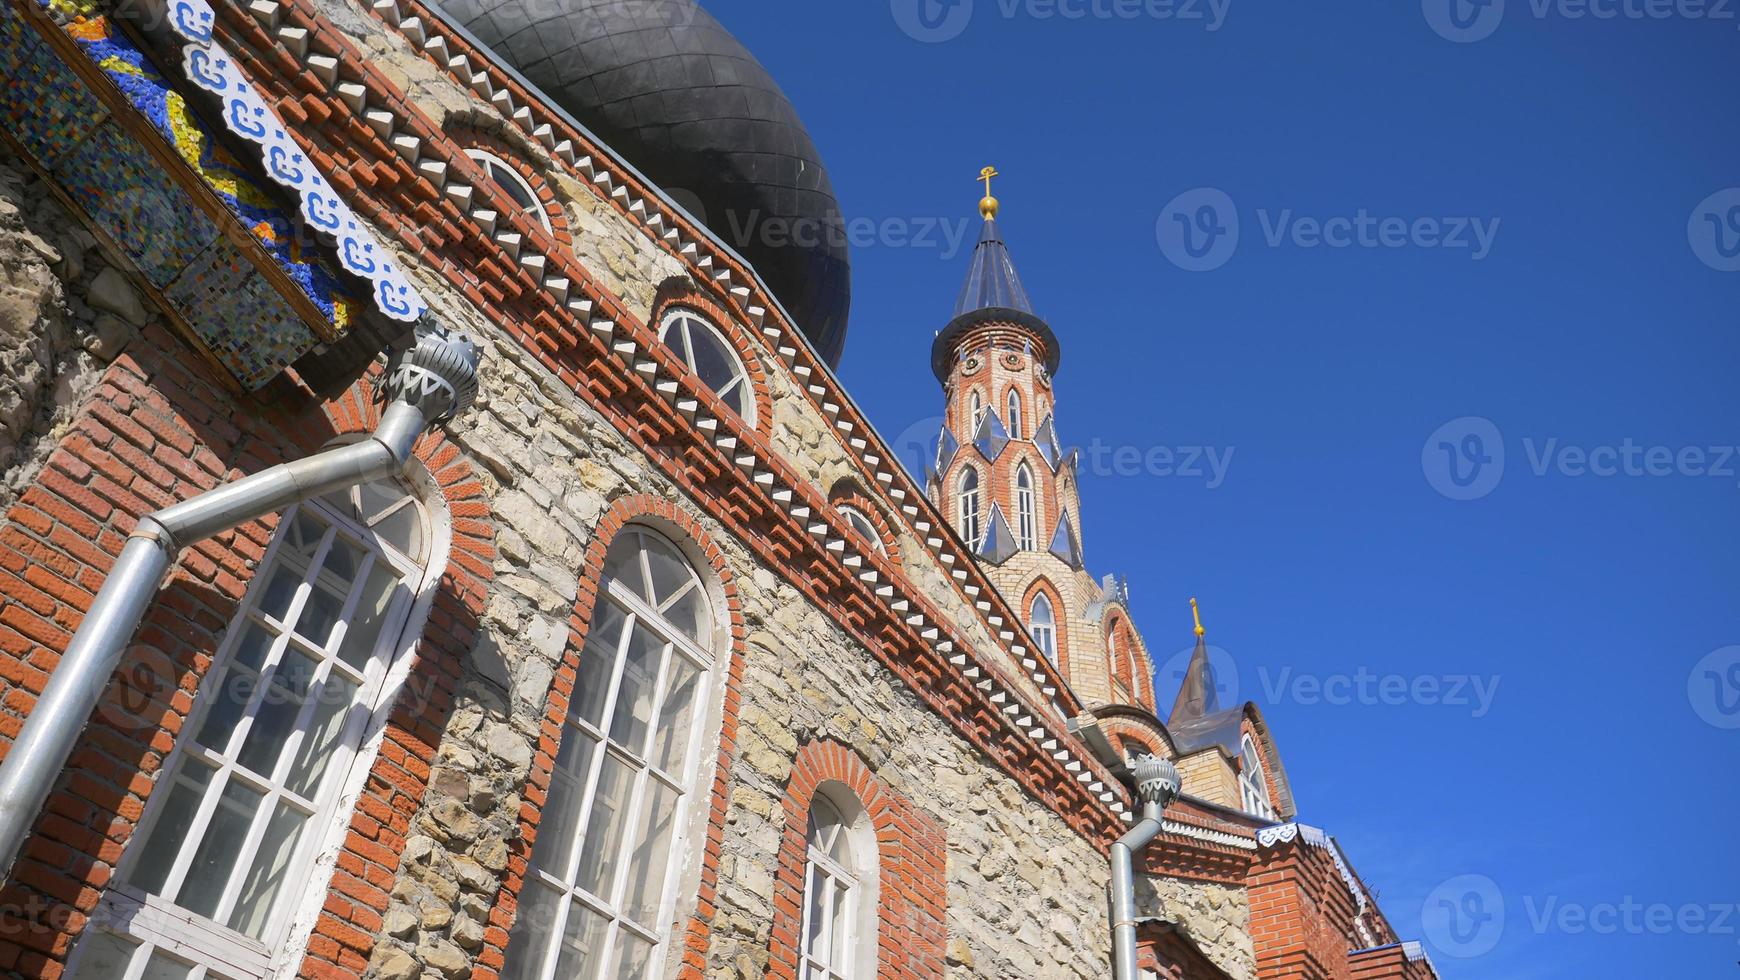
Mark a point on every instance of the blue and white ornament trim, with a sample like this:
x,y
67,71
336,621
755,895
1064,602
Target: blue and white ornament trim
x,y
247,115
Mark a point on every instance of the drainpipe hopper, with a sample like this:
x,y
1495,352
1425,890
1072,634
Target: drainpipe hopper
x,y
1157,785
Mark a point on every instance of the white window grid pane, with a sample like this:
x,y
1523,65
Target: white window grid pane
x,y
223,762
564,878
687,333
828,949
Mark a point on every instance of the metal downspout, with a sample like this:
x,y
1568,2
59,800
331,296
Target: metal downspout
x,y
1157,785
425,386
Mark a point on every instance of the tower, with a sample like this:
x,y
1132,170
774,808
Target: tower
x,y
1009,488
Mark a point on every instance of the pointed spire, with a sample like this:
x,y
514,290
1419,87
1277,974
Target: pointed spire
x,y
1199,695
991,281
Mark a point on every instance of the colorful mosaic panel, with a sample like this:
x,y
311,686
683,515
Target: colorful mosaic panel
x,y
45,105
241,318
13,38
123,190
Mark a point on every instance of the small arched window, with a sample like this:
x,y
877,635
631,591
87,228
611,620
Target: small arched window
x,y
707,353
512,184
864,526
1014,414
1026,517
968,498
251,791
838,932
1042,624
975,414
1253,781
599,896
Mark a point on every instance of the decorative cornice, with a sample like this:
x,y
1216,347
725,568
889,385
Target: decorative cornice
x,y
1287,833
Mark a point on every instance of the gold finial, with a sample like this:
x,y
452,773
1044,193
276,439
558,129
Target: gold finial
x,y
988,206
1196,614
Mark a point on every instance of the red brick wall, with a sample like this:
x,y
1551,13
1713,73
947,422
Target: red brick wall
x,y
912,859
1301,914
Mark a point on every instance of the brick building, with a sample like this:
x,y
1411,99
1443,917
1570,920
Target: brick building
x,y
595,632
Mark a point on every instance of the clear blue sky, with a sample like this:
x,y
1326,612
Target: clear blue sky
x,y
1600,773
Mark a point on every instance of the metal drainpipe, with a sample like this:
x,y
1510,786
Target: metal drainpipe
x,y
1157,785
427,385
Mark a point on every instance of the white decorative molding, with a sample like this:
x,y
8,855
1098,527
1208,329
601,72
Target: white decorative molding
x,y
1288,832
1204,834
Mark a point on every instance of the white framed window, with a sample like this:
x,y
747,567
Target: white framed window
x,y
707,353
600,896
1042,624
217,880
865,528
1026,507
975,414
1253,782
512,184
1014,414
837,937
968,501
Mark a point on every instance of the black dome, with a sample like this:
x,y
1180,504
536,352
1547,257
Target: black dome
x,y
669,88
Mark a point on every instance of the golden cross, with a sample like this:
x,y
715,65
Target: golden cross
x,y
986,175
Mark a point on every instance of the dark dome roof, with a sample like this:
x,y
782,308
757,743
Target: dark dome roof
x,y
672,91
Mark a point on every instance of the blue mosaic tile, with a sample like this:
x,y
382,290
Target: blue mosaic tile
x,y
46,106
123,190
239,316
14,38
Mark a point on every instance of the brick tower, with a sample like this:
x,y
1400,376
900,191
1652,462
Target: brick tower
x,y
1008,486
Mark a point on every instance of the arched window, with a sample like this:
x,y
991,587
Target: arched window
x,y
1026,518
1014,414
1119,655
707,353
600,894
512,184
975,413
865,527
968,498
838,932
1042,624
1253,782
249,795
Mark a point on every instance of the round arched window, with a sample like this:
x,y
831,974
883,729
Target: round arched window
x,y
707,353
511,183
865,527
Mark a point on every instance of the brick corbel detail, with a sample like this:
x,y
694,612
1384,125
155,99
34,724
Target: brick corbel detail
x,y
1301,914
911,862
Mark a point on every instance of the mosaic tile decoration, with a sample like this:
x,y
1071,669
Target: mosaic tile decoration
x,y
168,112
45,105
124,191
242,319
14,36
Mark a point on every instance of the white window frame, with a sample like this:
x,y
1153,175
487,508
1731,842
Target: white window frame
x,y
1044,633
703,738
865,527
740,380
1253,781
967,494
1026,509
975,414
860,884
495,168
1014,413
215,951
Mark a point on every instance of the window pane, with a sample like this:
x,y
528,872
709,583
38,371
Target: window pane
x,y
280,589
676,716
295,554
604,834
403,529
647,863
633,957
220,849
634,695
689,614
592,684
332,708
376,497
266,877
343,561
561,818
163,968
623,564
104,956
841,929
228,696
713,364
320,613
582,942
371,614
670,572
170,829
534,924
275,719
817,911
